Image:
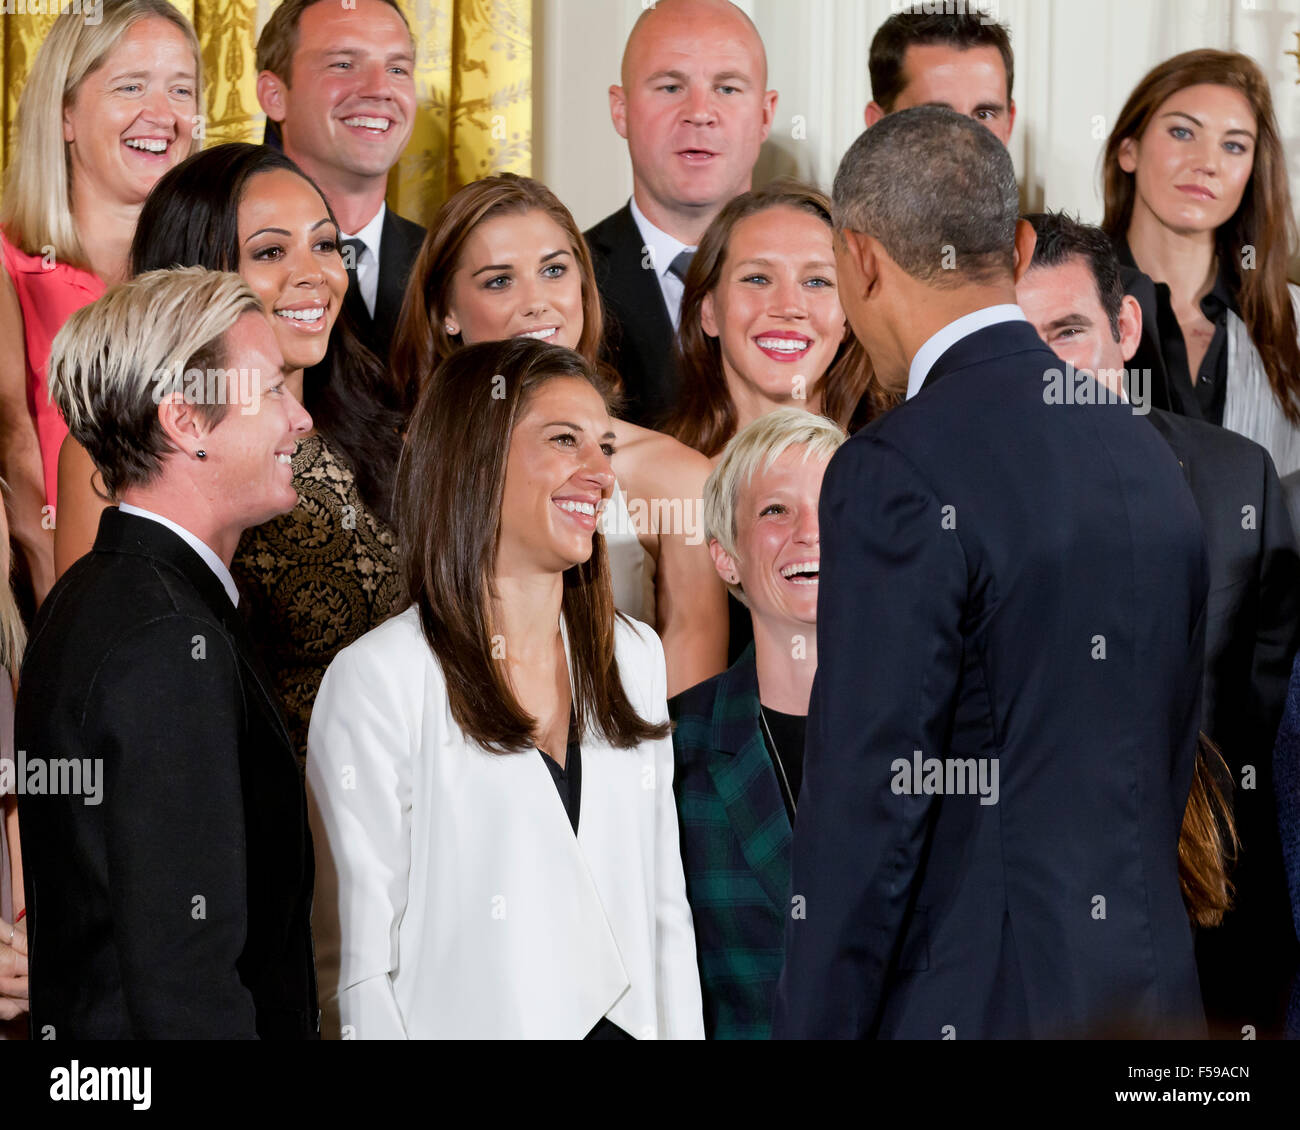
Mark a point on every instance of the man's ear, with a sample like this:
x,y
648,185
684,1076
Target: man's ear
x,y
769,112
271,95
618,110
873,113
1130,327
1011,117
724,563
859,249
181,424
1026,241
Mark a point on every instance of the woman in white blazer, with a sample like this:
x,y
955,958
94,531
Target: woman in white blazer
x,y
470,885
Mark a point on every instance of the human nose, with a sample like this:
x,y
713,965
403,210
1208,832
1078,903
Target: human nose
x,y
807,530
532,297
375,82
598,468
299,417
700,107
789,299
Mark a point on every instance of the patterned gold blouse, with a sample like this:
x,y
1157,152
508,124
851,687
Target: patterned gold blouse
x,y
314,580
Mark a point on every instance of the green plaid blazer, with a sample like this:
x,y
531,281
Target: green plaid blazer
x,y
735,849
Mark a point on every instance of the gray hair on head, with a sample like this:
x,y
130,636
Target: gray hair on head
x,y
937,190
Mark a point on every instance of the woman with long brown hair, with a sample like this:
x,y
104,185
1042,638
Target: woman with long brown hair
x,y
762,327
504,258
457,896
1197,200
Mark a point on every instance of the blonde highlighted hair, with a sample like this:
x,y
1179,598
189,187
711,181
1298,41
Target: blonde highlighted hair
x,y
752,451
115,360
36,212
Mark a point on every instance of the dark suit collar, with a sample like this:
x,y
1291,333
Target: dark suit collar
x,y
742,773
143,537
735,708
397,252
1000,340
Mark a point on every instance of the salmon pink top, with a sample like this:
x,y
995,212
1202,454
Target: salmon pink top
x,y
47,295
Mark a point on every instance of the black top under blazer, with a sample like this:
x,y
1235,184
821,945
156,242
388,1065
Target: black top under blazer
x,y
179,906
1008,579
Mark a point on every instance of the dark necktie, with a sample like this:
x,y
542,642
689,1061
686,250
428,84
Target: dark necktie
x,y
352,251
681,264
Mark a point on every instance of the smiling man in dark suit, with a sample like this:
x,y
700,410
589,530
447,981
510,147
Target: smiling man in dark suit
x,y
1074,296
174,900
337,81
694,108
987,842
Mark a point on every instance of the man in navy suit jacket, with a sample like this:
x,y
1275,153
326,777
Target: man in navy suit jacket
x,y
1010,638
1074,295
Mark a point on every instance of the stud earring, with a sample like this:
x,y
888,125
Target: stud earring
x,y
451,330
201,453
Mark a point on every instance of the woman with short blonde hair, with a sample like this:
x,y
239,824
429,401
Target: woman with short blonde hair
x,y
739,737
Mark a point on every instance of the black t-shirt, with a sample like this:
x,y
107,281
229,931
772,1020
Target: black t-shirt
x,y
787,732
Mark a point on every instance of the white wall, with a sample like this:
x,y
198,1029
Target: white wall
x,y
1076,61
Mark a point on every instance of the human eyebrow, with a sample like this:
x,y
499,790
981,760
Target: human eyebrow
x,y
1069,321
272,231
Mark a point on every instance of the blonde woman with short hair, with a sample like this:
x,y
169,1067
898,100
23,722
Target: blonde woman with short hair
x,y
739,738
108,108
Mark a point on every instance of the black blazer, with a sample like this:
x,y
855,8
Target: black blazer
x,y
1015,583
179,905
639,331
1252,633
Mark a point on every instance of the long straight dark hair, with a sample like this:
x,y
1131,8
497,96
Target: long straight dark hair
x,y
191,219
1262,222
450,487
705,417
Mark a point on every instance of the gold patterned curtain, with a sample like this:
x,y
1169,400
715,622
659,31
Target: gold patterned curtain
x,y
473,77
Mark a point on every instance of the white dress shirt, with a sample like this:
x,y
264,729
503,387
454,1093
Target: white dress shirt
x,y
951,334
453,899
663,249
367,264
212,561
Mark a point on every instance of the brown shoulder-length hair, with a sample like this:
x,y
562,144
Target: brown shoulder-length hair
x,y
1263,221
421,342
705,417
1207,842
450,486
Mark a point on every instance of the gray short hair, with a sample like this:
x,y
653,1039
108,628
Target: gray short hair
x,y
938,191
753,449
115,360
